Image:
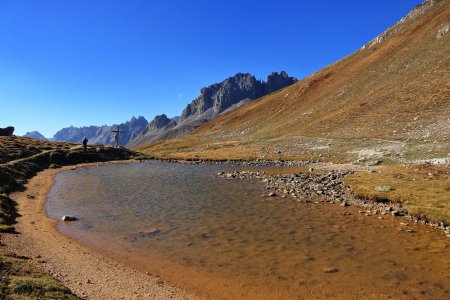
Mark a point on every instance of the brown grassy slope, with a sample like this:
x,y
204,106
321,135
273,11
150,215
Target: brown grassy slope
x,y
397,89
21,158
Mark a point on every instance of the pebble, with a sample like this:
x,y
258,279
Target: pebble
x,y
330,270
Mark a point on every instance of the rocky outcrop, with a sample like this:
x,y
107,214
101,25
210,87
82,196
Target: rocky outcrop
x,y
159,127
221,96
277,81
8,131
213,100
103,134
158,122
420,9
35,135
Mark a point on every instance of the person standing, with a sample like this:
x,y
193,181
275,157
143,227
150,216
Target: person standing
x,y
85,141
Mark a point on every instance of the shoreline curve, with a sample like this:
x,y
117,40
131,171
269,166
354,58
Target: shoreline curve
x,y
87,272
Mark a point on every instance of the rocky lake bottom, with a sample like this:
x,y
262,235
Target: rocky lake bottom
x,y
221,239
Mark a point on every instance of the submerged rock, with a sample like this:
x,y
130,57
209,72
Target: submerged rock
x,y
151,232
330,270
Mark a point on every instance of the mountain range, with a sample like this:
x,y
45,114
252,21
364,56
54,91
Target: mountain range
x,y
390,98
212,101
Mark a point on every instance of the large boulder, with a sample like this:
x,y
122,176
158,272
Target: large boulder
x,y
8,131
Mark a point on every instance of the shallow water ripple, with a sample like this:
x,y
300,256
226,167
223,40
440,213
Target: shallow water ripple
x,y
221,238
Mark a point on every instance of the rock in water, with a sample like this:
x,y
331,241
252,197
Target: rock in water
x,y
8,131
69,218
150,232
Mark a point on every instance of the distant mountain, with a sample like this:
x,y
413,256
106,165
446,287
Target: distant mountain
x,y
103,134
212,101
36,135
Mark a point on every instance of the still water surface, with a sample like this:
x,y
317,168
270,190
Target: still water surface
x,y
222,239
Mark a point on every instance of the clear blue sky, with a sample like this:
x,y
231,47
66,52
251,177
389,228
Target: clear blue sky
x,y
87,62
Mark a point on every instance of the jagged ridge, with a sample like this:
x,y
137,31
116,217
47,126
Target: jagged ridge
x,y
213,101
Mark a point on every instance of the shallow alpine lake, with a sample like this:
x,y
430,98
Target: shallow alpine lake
x,y
222,239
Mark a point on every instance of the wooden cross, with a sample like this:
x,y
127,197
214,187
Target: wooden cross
x,y
117,135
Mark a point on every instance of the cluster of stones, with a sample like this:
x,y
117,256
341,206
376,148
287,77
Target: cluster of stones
x,y
328,187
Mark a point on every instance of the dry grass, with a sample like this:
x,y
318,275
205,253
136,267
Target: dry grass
x,y
422,189
19,279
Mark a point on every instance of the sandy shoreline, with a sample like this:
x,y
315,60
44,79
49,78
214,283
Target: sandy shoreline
x,y
86,272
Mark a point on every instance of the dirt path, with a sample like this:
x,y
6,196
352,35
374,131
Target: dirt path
x,y
86,272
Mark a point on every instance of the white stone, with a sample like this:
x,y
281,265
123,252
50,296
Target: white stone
x,y
443,31
69,218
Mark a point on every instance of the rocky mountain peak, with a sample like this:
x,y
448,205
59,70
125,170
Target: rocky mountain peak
x,y
139,121
158,122
276,81
36,135
221,96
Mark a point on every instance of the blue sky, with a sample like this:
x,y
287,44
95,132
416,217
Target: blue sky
x,y
100,62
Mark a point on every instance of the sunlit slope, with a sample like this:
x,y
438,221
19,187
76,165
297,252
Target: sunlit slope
x,y
396,88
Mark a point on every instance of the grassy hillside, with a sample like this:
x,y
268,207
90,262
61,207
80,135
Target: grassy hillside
x,y
389,100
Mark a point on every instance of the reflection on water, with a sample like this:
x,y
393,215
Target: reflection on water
x,y
221,238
